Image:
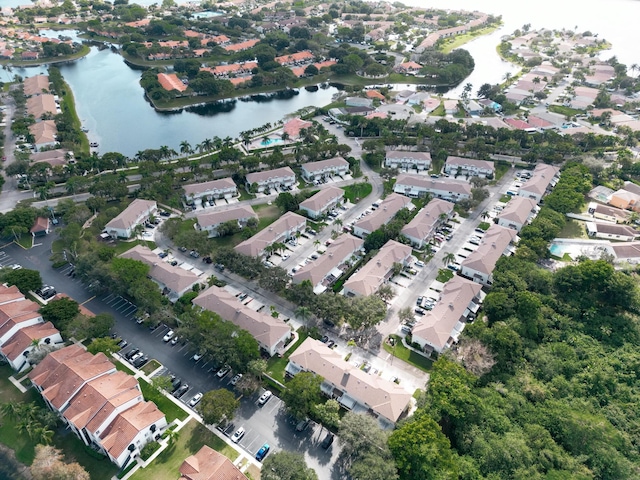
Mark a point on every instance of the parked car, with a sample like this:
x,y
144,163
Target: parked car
x,y
175,384
302,425
131,353
419,263
264,449
174,340
196,399
236,379
328,440
237,435
140,361
168,336
123,343
194,254
264,398
181,391
197,356
223,371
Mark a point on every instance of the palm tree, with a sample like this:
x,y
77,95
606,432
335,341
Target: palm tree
x,y
338,222
208,144
484,215
303,313
448,258
10,410
41,435
185,147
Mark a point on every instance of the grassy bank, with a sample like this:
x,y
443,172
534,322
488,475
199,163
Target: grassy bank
x,y
451,44
68,104
83,52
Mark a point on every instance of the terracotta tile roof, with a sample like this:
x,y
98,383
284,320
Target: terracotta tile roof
x,y
263,327
41,104
44,132
41,372
52,157
127,425
100,398
23,338
207,464
374,94
170,81
10,294
12,314
382,396
41,225
295,57
237,47
293,127
63,382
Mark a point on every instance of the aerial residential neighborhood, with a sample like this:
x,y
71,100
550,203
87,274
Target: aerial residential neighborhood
x,y
318,241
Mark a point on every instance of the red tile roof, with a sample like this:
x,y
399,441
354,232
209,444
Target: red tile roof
x,y
170,81
127,425
207,464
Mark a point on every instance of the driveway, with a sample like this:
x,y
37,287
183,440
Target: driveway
x,y
270,423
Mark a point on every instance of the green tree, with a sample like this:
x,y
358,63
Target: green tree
x,y
106,345
421,450
287,202
302,394
328,413
84,326
285,465
218,405
60,312
26,280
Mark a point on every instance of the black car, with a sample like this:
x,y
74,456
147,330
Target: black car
x,y
141,361
324,339
181,391
132,352
165,214
328,440
176,384
123,343
207,260
182,249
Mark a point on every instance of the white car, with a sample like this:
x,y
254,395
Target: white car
x,y
237,435
169,335
196,399
236,379
419,263
264,398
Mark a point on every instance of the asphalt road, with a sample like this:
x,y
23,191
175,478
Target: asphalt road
x,y
267,424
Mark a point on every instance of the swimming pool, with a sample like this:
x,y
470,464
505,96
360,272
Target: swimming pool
x,y
558,250
270,141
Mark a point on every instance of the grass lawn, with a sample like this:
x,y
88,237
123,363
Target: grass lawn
x,y
408,356
566,111
501,169
439,111
573,229
388,186
505,198
444,275
484,225
244,195
276,365
190,439
76,451
357,191
122,246
152,366
123,368
451,44
170,409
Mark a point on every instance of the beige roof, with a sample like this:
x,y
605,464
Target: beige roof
x,y
438,324
384,397
324,196
216,217
196,189
22,339
41,104
385,212
372,275
469,162
264,328
612,212
518,210
52,157
44,132
491,248
99,398
123,430
312,167
444,184
424,222
625,251
317,270
61,383
255,245
10,294
541,179
612,229
267,175
207,464
175,278
36,84
401,154
130,215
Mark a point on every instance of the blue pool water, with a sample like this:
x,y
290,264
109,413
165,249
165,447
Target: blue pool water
x,y
270,141
557,250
